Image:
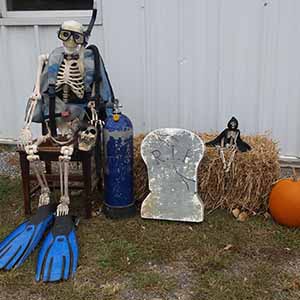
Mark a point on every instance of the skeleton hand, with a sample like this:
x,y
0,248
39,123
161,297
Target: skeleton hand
x,y
25,134
36,94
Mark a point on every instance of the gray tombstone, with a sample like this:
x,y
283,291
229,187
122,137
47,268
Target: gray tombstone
x,y
172,157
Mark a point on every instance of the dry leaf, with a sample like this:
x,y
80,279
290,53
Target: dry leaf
x,y
243,216
236,212
228,247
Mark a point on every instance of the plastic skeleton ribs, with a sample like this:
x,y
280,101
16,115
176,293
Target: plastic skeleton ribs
x,y
71,89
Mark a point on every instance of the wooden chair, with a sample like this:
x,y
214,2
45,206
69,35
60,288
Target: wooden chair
x,y
49,153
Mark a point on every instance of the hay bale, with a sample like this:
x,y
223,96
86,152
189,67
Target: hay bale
x,y
246,186
139,171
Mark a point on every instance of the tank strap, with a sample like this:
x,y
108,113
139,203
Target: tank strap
x,y
52,120
97,75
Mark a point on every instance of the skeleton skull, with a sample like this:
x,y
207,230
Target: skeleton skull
x,y
87,138
72,35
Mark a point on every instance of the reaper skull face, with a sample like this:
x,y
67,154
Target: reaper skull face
x,y
233,123
72,35
87,138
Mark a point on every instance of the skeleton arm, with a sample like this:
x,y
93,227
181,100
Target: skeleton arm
x,y
42,60
94,114
26,135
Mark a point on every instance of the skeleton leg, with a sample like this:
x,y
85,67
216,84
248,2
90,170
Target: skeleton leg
x,y
31,151
64,161
222,156
231,159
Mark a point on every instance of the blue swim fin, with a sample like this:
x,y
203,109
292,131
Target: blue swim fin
x,y
19,244
58,257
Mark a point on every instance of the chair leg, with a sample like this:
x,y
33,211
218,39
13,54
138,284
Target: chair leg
x,y
24,164
48,168
87,178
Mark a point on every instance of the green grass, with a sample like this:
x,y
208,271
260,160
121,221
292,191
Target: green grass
x,y
8,188
142,259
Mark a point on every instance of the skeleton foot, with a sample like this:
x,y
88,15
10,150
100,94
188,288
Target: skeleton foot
x,y
63,207
44,197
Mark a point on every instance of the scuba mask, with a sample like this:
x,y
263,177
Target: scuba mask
x,y
65,35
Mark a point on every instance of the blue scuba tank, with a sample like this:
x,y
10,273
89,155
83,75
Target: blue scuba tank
x,y
118,166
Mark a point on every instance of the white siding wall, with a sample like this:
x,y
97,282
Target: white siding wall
x,y
181,63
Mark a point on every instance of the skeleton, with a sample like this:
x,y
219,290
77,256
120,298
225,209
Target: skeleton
x,y
72,88
231,145
229,139
69,82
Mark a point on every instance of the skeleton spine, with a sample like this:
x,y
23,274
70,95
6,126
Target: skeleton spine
x,y
66,90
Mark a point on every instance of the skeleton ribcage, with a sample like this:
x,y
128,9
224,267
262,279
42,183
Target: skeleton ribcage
x,y
69,77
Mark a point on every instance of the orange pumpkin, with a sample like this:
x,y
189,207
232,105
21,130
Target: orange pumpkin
x,y
284,202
